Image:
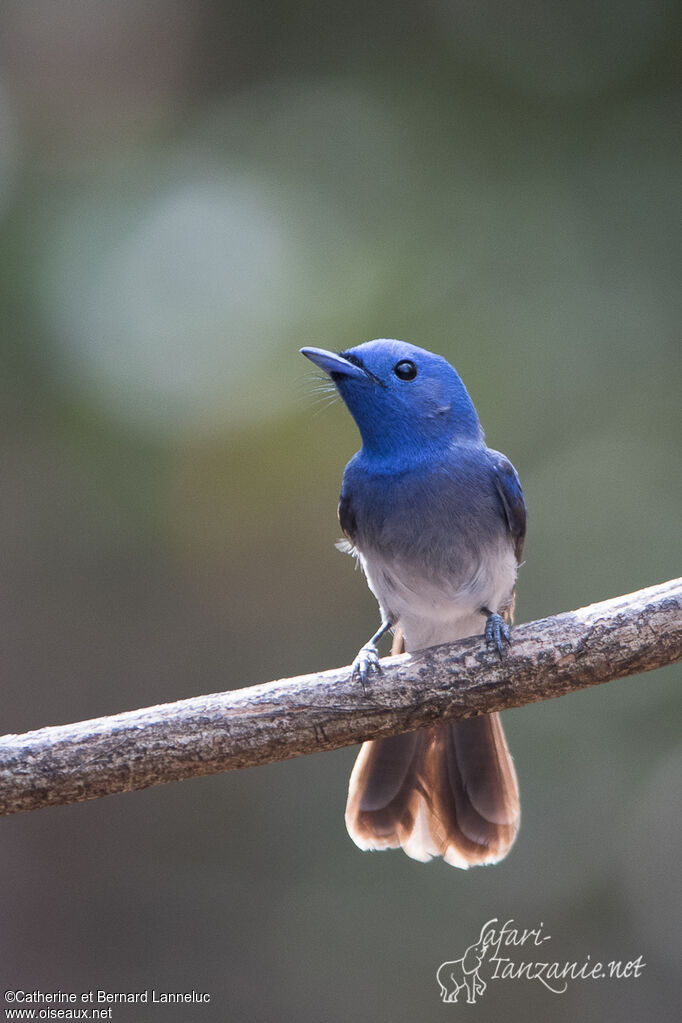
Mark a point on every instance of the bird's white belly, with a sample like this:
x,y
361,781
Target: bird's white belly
x,y
431,608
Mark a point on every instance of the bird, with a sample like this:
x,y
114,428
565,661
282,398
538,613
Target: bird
x,y
437,520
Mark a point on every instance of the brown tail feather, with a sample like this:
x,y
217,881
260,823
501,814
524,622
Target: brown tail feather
x,y
385,791
449,791
473,790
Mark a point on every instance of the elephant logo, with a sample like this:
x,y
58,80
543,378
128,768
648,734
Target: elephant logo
x,y
464,973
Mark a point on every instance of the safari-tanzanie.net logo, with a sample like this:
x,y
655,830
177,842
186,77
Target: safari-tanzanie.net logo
x,y
508,952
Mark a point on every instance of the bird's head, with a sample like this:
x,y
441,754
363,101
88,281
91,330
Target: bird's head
x,y
406,401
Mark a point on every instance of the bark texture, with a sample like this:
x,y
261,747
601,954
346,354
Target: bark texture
x,y
326,710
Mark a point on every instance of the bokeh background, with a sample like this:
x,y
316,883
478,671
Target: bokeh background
x,y
189,192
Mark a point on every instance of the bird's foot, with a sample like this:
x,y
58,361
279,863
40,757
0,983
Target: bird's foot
x,y
497,632
366,664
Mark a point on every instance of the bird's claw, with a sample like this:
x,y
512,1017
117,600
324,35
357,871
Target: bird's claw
x,y
365,664
497,631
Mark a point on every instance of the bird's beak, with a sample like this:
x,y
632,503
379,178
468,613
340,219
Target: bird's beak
x,y
333,364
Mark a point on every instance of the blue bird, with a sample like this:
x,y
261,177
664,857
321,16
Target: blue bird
x,y
437,520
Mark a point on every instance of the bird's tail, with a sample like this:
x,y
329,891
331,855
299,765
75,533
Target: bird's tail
x,y
448,791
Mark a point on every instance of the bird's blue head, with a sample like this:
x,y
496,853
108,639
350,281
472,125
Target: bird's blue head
x,y
408,403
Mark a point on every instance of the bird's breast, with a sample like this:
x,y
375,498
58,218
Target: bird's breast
x,y
435,550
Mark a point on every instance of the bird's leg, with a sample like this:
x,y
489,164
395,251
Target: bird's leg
x,y
367,661
496,630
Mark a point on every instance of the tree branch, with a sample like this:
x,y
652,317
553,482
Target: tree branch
x,y
327,710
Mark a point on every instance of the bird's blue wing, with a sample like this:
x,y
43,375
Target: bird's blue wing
x,y
347,516
511,498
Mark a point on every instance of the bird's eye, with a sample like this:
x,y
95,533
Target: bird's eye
x,y
405,369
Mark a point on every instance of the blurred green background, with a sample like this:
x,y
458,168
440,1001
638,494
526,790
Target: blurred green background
x,y
189,192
